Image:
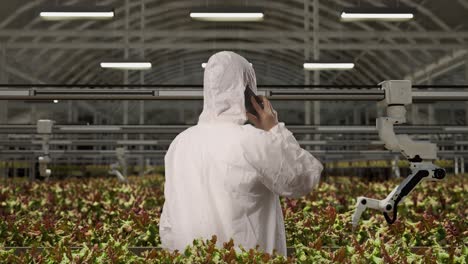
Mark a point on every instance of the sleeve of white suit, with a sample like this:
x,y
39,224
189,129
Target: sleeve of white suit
x,y
285,168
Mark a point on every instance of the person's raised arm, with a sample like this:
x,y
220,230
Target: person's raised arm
x,y
285,168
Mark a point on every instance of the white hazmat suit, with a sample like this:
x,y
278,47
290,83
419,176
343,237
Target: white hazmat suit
x,y
223,177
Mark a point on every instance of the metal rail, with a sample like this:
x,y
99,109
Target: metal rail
x,y
154,153
200,86
34,94
165,142
175,129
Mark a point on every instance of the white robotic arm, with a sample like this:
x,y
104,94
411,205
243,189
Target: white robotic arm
x,y
420,154
121,163
44,129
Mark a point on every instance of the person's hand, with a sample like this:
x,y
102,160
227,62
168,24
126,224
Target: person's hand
x,y
267,117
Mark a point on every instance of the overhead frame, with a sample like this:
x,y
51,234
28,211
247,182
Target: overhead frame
x,y
175,129
329,154
194,94
165,142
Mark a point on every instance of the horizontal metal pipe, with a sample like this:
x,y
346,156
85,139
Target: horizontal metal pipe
x,y
175,129
154,153
168,142
200,86
185,94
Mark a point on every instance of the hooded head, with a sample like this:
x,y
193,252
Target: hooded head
x,y
227,74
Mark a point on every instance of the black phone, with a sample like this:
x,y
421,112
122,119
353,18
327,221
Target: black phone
x,y
248,93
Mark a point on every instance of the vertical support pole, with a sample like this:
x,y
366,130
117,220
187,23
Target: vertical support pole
x,y
431,114
125,74
414,114
3,104
32,171
316,43
126,55
307,104
142,81
466,81
462,165
455,166
15,168
430,110
366,117
3,79
70,119
453,116
357,116
96,121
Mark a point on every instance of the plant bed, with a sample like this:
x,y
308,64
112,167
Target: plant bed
x,y
89,220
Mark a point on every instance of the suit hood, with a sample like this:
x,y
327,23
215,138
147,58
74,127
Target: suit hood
x,y
227,74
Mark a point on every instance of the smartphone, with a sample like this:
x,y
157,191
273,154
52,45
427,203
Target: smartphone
x,y
248,93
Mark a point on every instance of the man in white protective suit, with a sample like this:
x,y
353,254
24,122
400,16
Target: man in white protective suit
x,y
224,177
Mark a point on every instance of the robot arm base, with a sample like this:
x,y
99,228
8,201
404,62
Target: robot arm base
x,y
43,170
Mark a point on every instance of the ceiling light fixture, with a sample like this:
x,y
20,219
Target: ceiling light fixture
x,y
319,66
204,64
383,14
227,14
76,12
126,65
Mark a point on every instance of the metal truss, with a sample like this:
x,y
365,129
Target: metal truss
x,y
288,34
175,129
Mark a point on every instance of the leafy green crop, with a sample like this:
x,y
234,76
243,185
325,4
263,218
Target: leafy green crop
x,y
101,220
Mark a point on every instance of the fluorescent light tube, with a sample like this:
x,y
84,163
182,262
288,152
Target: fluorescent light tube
x,y
232,17
228,14
77,12
371,16
56,101
317,66
384,14
204,65
126,65
76,15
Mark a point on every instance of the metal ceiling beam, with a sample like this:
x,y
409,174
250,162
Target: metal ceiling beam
x,y
235,34
28,77
442,65
216,45
178,6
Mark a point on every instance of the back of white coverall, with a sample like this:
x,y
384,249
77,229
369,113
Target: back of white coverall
x,y
224,178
